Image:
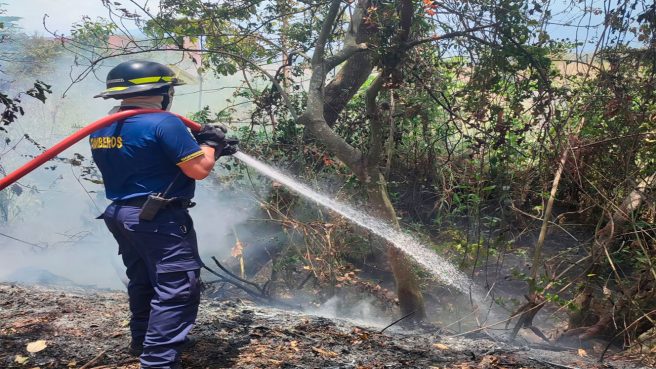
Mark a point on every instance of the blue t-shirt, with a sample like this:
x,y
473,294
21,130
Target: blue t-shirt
x,y
140,155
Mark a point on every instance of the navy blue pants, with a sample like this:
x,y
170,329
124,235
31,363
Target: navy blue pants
x,y
163,266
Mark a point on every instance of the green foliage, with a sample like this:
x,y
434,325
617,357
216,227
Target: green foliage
x,y
94,33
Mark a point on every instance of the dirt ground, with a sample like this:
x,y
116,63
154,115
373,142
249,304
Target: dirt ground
x,y
84,328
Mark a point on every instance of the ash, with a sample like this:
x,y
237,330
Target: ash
x,y
84,327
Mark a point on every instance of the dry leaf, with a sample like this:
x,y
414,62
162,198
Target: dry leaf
x,y
116,334
72,363
582,353
21,359
364,336
324,352
36,346
441,346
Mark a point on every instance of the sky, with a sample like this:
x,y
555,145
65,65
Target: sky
x,y
61,13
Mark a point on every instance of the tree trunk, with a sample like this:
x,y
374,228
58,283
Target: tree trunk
x,y
364,166
353,74
407,285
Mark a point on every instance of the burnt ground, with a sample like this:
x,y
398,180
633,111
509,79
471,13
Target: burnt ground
x,y
85,328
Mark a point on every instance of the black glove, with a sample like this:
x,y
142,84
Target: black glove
x,y
229,148
211,135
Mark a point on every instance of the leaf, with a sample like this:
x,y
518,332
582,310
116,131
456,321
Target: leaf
x,y
324,352
582,353
441,346
36,346
21,359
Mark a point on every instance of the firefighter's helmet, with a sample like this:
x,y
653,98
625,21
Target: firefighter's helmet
x,y
138,77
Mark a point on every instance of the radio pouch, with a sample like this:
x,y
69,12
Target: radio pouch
x,y
151,207
155,202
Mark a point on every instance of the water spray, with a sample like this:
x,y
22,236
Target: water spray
x,y
424,256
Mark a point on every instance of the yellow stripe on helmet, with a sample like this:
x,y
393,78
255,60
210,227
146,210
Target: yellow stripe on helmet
x,y
140,81
116,89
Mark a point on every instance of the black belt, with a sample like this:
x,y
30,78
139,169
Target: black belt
x,y
174,203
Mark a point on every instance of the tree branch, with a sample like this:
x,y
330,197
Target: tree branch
x,y
350,44
320,45
375,123
313,116
449,35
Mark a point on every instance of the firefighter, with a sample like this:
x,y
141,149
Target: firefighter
x,y
143,157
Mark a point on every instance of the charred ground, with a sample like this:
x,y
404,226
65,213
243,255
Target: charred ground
x,y
85,328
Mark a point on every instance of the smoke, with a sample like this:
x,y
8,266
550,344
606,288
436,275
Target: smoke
x,y
360,311
47,220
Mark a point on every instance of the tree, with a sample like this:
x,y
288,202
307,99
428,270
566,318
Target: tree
x,y
358,38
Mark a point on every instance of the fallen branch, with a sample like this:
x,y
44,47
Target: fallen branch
x,y
95,360
258,295
538,333
396,321
236,277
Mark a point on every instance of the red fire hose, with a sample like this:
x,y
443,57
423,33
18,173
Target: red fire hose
x,y
77,136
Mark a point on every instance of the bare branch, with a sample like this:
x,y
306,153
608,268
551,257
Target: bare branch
x,y
449,35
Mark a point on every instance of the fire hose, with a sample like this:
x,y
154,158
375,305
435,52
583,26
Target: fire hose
x,y
77,136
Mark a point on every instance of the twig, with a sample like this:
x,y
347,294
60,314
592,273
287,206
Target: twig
x,y
396,321
19,240
95,360
15,314
237,278
553,364
551,347
120,363
310,275
502,321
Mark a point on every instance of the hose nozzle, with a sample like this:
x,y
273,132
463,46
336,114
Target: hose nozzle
x,y
231,147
